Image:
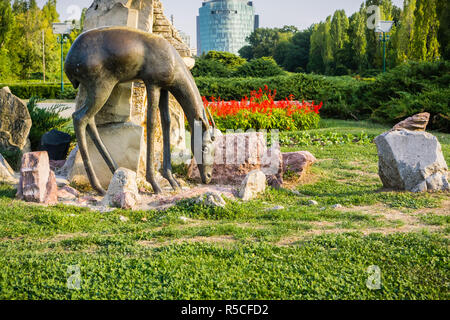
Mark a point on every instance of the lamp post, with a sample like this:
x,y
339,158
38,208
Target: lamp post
x,y
383,28
62,30
61,40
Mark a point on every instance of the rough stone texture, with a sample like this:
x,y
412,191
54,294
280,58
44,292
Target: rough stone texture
x,y
67,193
128,101
37,182
15,121
237,155
122,191
123,140
417,122
254,184
6,172
412,161
298,162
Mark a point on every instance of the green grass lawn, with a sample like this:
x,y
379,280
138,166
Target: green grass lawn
x,y
246,250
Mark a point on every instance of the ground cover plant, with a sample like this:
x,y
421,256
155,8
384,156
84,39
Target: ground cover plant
x,y
253,250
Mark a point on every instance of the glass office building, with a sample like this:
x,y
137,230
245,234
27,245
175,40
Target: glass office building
x,y
224,25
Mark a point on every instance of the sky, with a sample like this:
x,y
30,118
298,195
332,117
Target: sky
x,y
300,13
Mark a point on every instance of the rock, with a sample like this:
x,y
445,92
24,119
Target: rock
x,y
184,219
6,172
337,206
123,219
272,166
37,182
298,162
239,154
276,208
61,181
15,122
254,184
57,144
123,191
417,122
313,203
212,199
67,193
56,165
412,161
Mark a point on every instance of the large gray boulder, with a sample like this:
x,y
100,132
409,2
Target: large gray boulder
x,y
15,121
412,161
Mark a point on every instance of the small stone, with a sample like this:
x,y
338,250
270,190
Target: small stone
x,y
313,203
254,184
298,162
123,219
276,208
123,191
62,181
64,195
37,182
184,219
337,206
144,219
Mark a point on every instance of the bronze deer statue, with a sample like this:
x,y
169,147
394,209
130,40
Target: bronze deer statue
x,y
101,58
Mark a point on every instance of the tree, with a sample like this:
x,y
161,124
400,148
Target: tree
x,y
339,31
228,59
6,21
402,38
259,68
425,45
443,10
321,54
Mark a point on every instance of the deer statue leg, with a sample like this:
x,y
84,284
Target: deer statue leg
x,y
165,124
153,94
93,132
96,98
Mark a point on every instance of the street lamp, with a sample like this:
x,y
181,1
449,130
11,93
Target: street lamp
x,y
62,29
383,28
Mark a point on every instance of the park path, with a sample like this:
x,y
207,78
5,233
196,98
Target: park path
x,y
66,114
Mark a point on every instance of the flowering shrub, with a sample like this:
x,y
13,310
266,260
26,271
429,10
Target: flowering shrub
x,y
261,111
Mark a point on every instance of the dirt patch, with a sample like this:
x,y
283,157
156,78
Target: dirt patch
x,y
220,240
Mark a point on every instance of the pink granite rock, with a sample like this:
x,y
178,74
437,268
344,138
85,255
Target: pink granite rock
x,y
298,162
417,122
67,193
37,182
239,154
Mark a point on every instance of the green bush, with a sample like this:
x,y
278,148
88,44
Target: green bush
x,y
13,157
301,86
259,68
210,68
43,91
44,120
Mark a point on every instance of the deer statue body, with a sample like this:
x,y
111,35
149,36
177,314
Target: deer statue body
x,y
101,58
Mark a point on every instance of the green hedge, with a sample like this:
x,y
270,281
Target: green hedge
x,y
44,91
389,98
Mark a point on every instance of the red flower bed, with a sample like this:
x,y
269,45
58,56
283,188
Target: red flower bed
x,y
260,102
261,111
